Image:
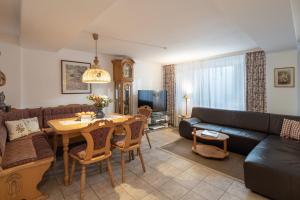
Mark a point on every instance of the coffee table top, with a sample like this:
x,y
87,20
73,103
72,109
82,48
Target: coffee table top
x,y
221,136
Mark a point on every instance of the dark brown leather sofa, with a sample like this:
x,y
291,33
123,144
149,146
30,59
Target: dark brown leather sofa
x,y
272,165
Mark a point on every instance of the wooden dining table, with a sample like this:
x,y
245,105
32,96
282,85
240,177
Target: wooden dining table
x,y
71,127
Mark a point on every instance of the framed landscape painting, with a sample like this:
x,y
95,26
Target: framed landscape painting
x,y
284,77
71,73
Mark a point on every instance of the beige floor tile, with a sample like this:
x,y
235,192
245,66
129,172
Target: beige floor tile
x,y
219,181
180,164
173,190
238,189
199,172
105,189
208,191
88,195
228,196
187,180
156,196
164,171
138,188
71,189
192,196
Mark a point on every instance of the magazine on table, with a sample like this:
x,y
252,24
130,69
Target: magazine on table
x,y
210,133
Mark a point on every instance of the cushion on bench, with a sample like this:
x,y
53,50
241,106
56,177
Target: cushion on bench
x,y
18,152
26,150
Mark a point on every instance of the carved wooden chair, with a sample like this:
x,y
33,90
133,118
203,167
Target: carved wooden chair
x,y
131,141
146,111
97,148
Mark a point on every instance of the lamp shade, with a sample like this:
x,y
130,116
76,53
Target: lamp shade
x,y
96,75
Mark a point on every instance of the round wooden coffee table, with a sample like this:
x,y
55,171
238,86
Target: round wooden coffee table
x,y
210,151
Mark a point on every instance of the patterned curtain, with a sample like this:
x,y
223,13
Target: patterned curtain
x,y
169,85
256,81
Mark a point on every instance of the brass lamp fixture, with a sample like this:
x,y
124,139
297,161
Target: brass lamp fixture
x,y
95,74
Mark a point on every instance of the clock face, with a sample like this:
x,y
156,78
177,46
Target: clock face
x,y
126,71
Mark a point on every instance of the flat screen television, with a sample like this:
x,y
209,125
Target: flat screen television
x,y
157,100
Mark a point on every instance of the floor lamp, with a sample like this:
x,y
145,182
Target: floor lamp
x,y
186,98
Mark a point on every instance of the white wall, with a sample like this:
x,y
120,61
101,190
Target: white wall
x,y
34,77
10,66
147,76
281,100
42,78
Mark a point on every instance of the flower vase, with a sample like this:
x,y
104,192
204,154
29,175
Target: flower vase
x,y
99,114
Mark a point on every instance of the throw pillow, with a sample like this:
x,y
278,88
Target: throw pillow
x,y
286,128
32,124
16,129
295,130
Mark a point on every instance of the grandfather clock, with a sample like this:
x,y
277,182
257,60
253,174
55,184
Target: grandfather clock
x,y
123,78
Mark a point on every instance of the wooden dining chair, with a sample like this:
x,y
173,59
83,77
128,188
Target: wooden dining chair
x,y
97,148
131,140
146,111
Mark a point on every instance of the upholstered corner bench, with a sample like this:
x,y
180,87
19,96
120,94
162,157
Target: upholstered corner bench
x,y
23,161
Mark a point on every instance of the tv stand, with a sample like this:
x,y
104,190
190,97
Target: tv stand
x,y
159,120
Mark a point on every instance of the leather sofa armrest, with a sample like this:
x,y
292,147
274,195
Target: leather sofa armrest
x,y
186,127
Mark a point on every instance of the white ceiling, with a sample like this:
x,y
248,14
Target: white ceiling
x,y
190,29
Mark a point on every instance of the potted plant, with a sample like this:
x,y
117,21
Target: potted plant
x,y
100,102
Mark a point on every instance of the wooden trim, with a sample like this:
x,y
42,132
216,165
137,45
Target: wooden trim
x,y
21,182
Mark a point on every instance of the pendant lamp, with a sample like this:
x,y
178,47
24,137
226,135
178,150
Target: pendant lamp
x,y
95,74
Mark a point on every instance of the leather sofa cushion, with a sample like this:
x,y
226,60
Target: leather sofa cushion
x,y
238,119
206,126
276,122
272,168
3,138
240,141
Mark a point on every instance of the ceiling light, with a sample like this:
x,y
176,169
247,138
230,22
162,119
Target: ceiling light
x,y
95,74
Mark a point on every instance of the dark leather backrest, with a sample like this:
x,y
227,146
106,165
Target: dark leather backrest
x,y
17,114
277,120
66,111
240,119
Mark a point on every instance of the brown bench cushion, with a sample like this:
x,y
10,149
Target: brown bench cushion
x,y
26,150
18,152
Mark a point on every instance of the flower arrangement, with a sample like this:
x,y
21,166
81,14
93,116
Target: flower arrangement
x,y
100,102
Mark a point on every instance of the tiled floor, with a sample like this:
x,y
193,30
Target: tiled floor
x,y
167,177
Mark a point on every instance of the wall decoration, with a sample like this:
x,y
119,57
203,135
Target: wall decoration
x,y
71,74
2,79
284,77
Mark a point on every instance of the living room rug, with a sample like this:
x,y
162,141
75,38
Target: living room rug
x,y
233,165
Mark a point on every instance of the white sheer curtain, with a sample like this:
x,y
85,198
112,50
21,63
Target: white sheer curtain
x,y
216,83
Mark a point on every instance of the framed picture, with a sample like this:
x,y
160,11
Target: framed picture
x,y
71,73
284,77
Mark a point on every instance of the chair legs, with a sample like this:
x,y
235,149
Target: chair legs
x,y
72,170
110,172
141,158
148,139
122,167
82,181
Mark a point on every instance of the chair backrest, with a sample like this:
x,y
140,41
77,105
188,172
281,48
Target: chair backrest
x,y
98,136
134,128
145,110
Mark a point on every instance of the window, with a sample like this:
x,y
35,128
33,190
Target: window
x,y
217,83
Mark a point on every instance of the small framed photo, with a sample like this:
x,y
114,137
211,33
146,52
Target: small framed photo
x,y
284,77
71,73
